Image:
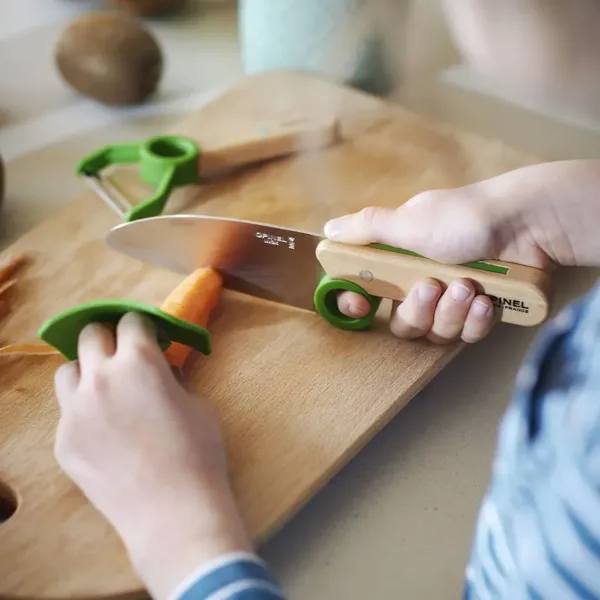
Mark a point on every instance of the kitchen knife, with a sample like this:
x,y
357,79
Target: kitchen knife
x,y
302,269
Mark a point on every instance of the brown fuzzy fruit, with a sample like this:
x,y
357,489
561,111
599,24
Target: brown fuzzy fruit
x,y
109,57
147,8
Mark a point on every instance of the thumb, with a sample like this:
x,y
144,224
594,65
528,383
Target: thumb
x,y
412,226
439,224
370,225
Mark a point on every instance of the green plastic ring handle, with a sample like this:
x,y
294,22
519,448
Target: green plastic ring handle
x,y
166,162
62,331
326,305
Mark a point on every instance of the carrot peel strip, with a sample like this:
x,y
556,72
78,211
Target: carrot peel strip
x,y
7,285
29,349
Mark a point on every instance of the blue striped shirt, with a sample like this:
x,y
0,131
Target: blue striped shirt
x,y
538,532
236,576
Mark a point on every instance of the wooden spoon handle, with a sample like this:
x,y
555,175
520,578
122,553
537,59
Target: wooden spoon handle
x,y
263,141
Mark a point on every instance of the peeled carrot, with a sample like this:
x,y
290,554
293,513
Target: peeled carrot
x,y
192,300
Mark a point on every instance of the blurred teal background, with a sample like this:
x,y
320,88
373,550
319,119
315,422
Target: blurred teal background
x,y
341,39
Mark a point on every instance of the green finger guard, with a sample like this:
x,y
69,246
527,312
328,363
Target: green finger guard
x,y
326,304
166,162
62,331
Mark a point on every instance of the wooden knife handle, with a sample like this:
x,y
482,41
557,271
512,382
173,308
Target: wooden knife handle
x,y
262,141
519,293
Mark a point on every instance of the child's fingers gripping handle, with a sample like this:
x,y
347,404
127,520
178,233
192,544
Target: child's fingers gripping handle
x,y
519,293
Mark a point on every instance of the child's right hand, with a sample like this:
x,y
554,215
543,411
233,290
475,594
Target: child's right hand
x,y
535,216
147,453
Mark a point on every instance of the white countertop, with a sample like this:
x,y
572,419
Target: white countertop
x,y
397,521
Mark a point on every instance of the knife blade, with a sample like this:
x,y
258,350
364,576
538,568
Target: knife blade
x,y
260,260
302,269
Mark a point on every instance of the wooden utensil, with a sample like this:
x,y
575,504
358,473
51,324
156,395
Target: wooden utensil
x,y
172,161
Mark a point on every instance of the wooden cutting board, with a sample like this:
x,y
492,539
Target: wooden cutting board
x,y
297,397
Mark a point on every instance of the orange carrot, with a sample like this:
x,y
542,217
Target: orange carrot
x,y
192,300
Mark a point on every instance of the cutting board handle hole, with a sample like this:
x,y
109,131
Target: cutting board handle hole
x,y
8,503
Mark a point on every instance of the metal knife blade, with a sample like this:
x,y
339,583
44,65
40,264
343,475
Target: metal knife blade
x,y
265,261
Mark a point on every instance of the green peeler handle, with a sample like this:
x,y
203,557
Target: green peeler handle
x,y
325,300
166,162
62,331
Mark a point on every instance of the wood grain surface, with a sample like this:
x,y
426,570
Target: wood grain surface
x,y
297,397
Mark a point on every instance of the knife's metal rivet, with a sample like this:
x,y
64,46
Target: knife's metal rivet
x,y
366,275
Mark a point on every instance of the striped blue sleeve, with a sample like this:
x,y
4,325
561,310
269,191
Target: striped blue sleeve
x,y
236,576
538,533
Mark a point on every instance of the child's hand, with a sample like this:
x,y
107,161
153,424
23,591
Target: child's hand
x,y
147,453
535,216
446,230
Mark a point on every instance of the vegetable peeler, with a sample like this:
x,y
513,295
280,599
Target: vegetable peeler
x,y
170,161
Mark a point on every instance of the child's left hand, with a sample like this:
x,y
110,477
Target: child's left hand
x,y
147,454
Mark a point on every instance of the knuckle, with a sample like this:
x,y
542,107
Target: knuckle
x,y
415,316
424,198
96,381
441,340
144,349
449,333
448,325
421,320
368,215
406,332
409,329
93,333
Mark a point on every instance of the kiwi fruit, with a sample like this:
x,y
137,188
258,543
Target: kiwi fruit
x,y
147,8
110,57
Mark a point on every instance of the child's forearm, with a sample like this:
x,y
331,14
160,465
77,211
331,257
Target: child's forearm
x,y
175,551
558,203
